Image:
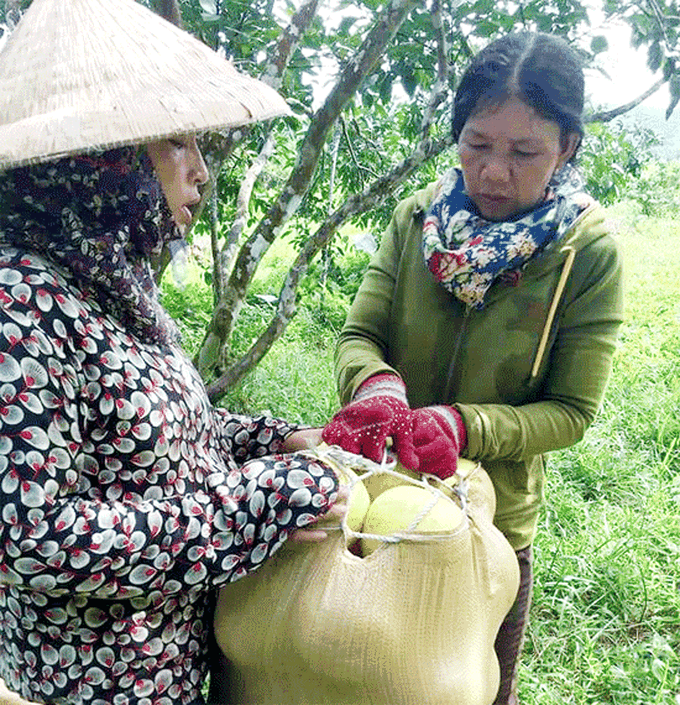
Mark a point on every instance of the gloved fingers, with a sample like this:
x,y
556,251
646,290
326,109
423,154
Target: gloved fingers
x,y
333,431
363,426
437,440
368,440
338,434
426,436
360,415
443,468
354,420
437,454
440,447
438,457
402,443
431,444
374,440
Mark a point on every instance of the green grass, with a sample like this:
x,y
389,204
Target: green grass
x,y
295,379
605,621
605,624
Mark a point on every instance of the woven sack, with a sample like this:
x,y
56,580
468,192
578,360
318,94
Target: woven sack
x,y
9,698
412,623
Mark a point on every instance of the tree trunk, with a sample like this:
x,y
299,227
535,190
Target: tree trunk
x,y
609,115
361,65
354,205
169,10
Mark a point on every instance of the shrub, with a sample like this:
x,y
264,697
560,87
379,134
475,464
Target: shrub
x,y
657,190
612,159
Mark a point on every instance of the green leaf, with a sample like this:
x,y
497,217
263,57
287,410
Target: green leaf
x,y
346,24
599,44
674,85
668,68
209,7
655,56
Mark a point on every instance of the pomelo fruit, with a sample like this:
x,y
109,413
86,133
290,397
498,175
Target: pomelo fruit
x,y
358,498
378,482
481,495
395,510
341,461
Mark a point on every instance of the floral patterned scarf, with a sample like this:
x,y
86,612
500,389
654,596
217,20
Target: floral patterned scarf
x,y
467,253
101,216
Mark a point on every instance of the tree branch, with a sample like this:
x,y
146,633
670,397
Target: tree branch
x,y
354,205
243,201
440,89
169,10
273,71
361,65
289,40
609,115
361,168
359,203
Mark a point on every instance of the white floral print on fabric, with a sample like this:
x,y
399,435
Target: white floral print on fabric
x,y
124,499
467,254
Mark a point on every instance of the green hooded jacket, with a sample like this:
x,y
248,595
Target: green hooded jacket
x,y
527,372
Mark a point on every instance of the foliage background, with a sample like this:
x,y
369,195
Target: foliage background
x,y
370,86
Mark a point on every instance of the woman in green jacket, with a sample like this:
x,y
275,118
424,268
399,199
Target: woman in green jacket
x,y
486,323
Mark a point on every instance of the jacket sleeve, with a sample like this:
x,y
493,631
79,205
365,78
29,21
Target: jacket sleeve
x,y
246,437
576,373
59,534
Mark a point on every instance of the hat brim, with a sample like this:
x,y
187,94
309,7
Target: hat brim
x,y
81,75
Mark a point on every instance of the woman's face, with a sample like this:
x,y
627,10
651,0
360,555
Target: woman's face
x,y
508,153
181,170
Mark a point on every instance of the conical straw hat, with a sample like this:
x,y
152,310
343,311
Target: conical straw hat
x,y
78,75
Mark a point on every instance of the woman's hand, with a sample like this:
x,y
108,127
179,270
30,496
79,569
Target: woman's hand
x,y
331,521
7,697
302,440
439,436
305,439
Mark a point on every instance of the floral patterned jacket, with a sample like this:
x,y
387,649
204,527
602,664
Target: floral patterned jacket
x,y
125,499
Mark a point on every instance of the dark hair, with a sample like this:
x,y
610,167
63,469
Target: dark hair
x,y
540,69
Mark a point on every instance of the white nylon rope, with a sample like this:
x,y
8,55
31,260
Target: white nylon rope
x,y
386,467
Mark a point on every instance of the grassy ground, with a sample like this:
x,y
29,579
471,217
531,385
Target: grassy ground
x,y
606,615
605,624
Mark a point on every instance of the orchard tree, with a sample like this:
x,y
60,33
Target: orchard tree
x,y
369,84
655,24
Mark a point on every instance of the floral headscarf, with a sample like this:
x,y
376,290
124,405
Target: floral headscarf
x,y
467,253
100,216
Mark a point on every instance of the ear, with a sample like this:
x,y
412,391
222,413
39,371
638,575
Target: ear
x,y
569,146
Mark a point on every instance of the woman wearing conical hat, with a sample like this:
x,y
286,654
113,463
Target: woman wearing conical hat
x,y
125,498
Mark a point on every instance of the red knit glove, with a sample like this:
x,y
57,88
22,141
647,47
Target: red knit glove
x,y
439,435
379,410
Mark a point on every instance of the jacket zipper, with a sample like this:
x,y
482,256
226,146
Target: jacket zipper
x,y
454,358
559,290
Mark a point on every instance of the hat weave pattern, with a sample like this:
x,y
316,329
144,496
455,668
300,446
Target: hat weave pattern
x,y
79,75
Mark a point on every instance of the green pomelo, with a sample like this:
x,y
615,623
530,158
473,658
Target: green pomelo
x,y
358,498
395,510
481,496
342,461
